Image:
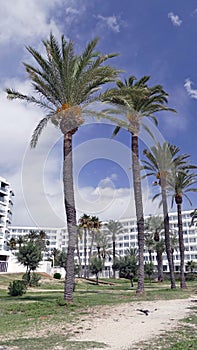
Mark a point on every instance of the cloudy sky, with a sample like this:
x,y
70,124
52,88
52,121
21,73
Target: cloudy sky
x,y
155,38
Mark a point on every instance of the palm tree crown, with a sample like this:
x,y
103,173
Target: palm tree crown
x,y
63,82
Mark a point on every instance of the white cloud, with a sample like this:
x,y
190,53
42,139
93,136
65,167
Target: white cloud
x,y
72,11
111,22
176,21
19,21
188,86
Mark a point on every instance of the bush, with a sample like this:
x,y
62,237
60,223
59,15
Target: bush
x,y
191,276
57,275
34,279
17,288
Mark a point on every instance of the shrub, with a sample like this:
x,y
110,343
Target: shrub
x,y
34,279
17,288
57,275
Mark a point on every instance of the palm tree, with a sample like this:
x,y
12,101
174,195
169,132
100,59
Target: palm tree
x,y
65,84
193,215
173,245
79,238
85,224
162,160
12,243
95,226
160,249
149,243
180,184
154,226
114,228
136,101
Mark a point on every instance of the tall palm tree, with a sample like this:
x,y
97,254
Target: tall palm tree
x,y
114,228
160,249
149,243
173,245
64,84
136,101
154,226
180,184
95,226
161,162
79,238
85,225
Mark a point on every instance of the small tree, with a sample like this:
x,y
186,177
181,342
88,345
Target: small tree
x,y
127,265
191,265
96,266
29,255
149,269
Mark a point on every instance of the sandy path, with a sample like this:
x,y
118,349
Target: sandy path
x,y
121,326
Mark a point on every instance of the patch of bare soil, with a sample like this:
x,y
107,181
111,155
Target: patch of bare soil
x,y
119,327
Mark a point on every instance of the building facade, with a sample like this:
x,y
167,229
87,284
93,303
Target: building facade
x,y
58,238
6,207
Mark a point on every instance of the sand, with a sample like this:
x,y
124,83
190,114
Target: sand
x,y
119,327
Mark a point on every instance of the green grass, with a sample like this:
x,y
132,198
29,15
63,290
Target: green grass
x,y
42,320
51,342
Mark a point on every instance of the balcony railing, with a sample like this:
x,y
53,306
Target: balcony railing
x,y
4,189
3,266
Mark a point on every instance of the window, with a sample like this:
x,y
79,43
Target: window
x,y
126,237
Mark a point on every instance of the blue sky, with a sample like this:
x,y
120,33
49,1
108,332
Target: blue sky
x,y
155,38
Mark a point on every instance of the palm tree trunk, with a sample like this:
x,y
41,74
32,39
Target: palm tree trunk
x,y
167,233
70,214
90,252
114,257
79,258
159,267
181,247
85,252
139,211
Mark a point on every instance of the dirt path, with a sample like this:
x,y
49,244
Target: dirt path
x,y
121,326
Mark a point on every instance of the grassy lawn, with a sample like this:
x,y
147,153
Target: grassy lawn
x,y
40,319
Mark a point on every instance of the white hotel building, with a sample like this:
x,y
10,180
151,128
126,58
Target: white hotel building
x,y
58,238
6,205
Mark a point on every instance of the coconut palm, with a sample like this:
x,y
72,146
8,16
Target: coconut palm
x,y
180,184
114,229
64,84
161,162
137,100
